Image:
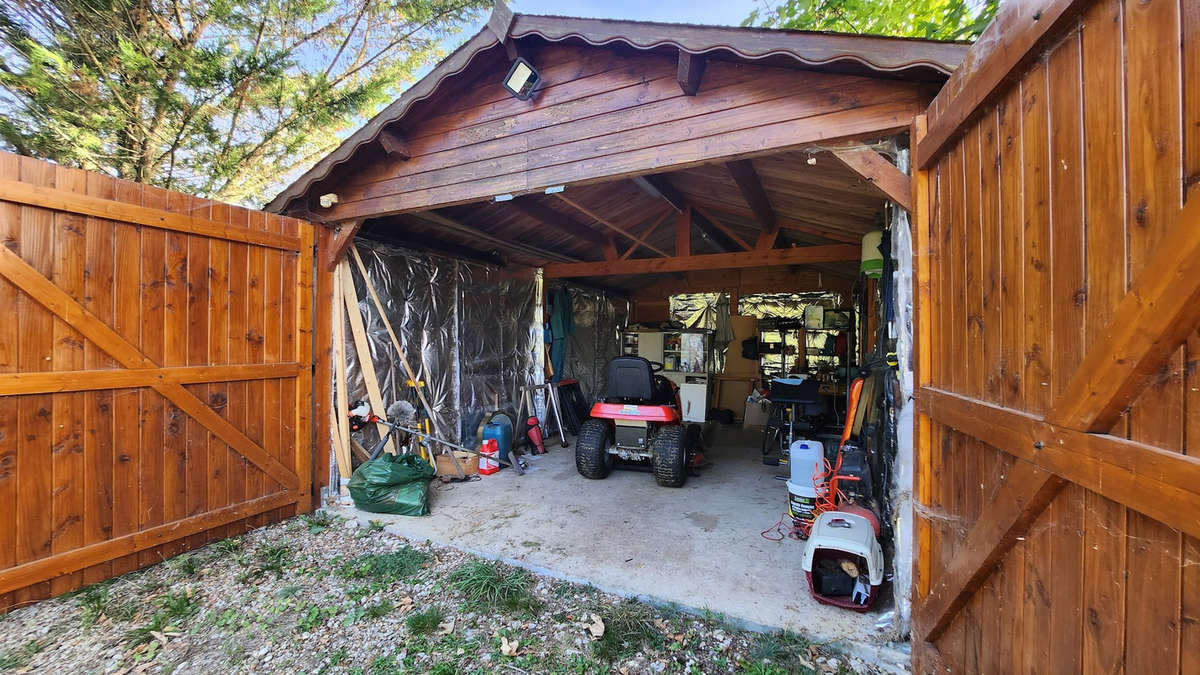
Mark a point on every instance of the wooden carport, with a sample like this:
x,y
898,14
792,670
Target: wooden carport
x,y
652,149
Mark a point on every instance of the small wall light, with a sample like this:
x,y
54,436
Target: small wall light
x,y
522,79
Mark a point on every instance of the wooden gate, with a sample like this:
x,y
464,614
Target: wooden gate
x,y
1059,295
155,382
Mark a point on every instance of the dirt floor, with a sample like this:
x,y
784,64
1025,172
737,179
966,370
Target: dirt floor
x,y
322,594
699,546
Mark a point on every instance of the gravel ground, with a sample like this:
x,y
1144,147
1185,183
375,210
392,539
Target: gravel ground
x,y
320,594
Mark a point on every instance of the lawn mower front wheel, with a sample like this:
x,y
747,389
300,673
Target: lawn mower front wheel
x,y
592,458
670,456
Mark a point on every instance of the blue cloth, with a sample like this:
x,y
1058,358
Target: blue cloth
x,y
562,325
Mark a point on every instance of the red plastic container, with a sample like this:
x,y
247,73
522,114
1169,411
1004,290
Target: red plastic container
x,y
489,452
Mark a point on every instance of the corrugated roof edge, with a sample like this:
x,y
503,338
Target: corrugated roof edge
x,y
808,47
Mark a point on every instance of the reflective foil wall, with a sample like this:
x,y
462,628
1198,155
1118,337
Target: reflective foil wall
x,y
599,320
472,332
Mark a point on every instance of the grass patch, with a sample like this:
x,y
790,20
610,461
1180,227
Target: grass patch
x,y
318,521
187,564
783,651
230,546
494,585
21,655
174,611
270,559
628,627
384,566
425,621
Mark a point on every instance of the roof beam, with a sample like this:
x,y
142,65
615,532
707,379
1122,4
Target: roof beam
x,y
690,72
341,241
728,234
683,233
499,242
791,224
394,145
649,230
610,225
878,171
390,236
780,256
501,20
750,184
553,219
657,186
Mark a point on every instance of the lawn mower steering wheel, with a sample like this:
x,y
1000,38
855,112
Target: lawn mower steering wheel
x,y
656,366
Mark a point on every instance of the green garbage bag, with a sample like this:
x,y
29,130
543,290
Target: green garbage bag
x,y
392,484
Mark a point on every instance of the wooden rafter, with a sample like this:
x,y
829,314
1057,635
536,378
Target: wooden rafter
x,y
876,170
708,218
659,187
341,241
649,231
558,221
787,223
690,72
504,244
1154,318
609,224
683,233
752,190
394,144
782,256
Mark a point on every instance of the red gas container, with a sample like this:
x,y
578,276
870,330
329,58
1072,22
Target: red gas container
x,y
489,452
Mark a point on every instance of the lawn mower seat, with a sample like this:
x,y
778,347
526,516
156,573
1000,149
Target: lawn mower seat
x,y
630,380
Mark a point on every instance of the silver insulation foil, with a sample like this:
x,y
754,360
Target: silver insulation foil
x,y
471,332
599,321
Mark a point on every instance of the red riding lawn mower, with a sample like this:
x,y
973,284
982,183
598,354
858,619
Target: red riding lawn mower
x,y
638,421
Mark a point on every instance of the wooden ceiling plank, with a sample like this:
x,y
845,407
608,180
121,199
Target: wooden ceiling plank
x,y
553,219
609,224
879,172
499,242
751,186
739,260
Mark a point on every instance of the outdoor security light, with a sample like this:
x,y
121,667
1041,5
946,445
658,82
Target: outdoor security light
x,y
522,79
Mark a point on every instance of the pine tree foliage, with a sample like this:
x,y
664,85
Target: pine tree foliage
x,y
227,99
930,19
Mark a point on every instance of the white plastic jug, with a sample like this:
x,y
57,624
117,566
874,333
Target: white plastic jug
x,y
807,459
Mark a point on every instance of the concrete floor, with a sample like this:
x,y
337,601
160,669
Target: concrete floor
x,y
697,546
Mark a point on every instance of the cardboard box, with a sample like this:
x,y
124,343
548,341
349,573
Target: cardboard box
x,y
445,465
756,415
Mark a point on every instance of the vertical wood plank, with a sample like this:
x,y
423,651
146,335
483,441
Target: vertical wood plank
x,y
305,449
99,452
1190,30
175,341
239,283
256,390
35,419
1036,289
218,353
154,411
196,468
323,370
1103,74
10,332
272,345
127,403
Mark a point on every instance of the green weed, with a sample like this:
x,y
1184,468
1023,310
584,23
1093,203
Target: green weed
x,y
425,621
494,585
230,546
21,655
384,566
175,609
782,650
318,521
314,617
628,627
187,564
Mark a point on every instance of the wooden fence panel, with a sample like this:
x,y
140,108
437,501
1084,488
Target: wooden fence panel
x,y
1063,208
155,374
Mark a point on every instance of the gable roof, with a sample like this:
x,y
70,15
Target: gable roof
x,y
881,56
